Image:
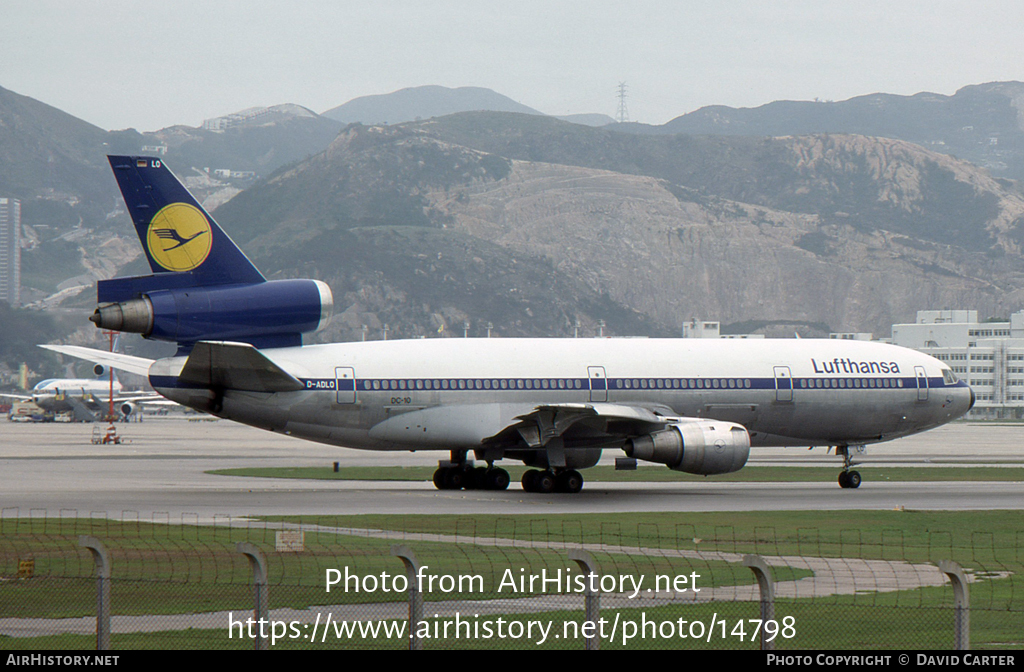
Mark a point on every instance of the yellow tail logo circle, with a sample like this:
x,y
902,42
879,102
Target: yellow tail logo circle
x,y
179,237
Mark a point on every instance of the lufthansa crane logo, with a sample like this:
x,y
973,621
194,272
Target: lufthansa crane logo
x,y
179,237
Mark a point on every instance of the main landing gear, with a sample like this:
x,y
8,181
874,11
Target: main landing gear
x,y
847,477
467,477
562,480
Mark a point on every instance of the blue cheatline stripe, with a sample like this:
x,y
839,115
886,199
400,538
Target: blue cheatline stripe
x,y
799,385
616,384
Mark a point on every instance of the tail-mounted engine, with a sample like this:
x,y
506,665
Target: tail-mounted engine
x,y
267,314
697,447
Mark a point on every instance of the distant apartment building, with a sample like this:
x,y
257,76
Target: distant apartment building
x,y
221,124
10,251
227,173
988,355
852,336
701,329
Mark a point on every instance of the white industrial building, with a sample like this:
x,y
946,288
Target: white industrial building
x,y
988,355
700,329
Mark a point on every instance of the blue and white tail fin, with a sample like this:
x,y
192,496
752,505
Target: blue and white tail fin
x,y
203,287
183,244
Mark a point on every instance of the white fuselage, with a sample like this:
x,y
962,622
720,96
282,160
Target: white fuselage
x,y
454,394
74,386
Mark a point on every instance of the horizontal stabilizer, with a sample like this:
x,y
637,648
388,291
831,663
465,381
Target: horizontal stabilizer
x,y
115,360
235,366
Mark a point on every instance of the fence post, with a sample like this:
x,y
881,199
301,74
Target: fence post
x,y
102,560
258,563
412,569
763,573
961,604
592,603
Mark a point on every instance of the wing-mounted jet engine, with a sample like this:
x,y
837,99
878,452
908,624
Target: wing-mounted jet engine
x,y
697,447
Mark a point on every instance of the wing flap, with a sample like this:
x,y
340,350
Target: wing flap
x,y
547,421
235,366
606,410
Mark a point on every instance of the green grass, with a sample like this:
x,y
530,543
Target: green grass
x,y
897,534
165,569
176,569
652,474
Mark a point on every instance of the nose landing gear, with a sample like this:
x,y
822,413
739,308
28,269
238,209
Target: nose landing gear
x,y
847,478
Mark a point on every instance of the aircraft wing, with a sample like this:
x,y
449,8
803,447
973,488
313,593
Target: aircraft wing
x,y
595,419
140,398
158,401
503,424
115,360
16,397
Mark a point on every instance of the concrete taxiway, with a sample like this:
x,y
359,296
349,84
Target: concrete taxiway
x,y
55,469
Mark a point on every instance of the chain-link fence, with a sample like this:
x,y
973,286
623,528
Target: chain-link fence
x,y
441,582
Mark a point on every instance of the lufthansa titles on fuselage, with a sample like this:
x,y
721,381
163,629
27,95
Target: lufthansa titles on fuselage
x,y
849,366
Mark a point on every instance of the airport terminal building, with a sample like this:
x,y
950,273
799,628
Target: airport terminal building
x,y
988,355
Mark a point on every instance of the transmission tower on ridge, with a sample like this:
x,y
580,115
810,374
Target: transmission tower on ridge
x,y
623,115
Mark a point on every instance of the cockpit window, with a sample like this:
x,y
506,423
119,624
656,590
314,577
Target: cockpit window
x,y
949,378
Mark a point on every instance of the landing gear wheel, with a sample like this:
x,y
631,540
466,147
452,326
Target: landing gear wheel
x,y
439,478
454,478
570,481
473,479
544,482
538,481
848,478
528,477
496,479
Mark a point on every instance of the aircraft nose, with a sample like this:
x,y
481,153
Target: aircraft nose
x,y
971,405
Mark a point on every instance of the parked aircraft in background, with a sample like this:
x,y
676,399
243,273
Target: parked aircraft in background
x,y
87,399
555,404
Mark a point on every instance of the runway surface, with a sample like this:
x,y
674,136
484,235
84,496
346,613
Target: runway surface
x,y
54,470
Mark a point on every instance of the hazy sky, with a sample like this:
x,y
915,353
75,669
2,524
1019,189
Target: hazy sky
x,y
153,64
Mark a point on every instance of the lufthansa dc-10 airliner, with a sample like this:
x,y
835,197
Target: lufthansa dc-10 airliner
x,y
694,405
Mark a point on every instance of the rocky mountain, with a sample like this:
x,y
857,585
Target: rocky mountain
x,y
75,229
588,119
849,232
359,216
866,183
982,123
535,225
257,140
422,102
